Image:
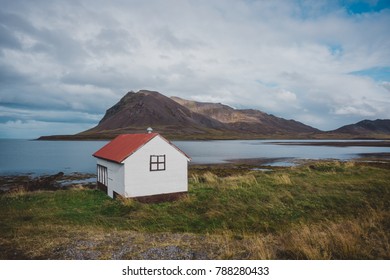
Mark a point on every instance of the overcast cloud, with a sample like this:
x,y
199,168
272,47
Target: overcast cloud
x,y
63,63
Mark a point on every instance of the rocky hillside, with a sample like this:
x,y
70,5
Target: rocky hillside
x,y
253,121
149,108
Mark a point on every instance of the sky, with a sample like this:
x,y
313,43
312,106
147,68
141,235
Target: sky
x,y
64,63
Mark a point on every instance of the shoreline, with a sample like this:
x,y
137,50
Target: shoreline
x,y
250,162
241,136
292,141
49,182
339,143
60,180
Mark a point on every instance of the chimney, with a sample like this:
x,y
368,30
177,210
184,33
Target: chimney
x,y
149,130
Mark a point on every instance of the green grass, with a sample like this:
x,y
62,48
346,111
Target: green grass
x,y
296,208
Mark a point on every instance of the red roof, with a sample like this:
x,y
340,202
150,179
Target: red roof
x,y
125,145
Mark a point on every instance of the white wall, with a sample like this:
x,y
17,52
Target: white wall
x,y
115,174
140,181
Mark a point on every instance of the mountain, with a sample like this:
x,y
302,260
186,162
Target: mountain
x,y
180,118
365,127
136,111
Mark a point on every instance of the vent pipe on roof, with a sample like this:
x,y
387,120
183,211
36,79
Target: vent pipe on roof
x,y
149,130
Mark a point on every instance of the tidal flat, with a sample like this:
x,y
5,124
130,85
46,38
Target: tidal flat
x,y
315,210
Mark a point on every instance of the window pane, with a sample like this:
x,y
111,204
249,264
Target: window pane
x,y
153,159
153,166
157,162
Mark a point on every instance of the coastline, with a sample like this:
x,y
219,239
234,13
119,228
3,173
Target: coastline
x,y
29,182
63,181
222,136
339,143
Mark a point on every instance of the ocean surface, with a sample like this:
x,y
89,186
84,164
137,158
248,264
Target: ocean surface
x,y
49,157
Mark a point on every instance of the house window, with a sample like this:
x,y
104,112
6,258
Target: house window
x,y
157,162
102,176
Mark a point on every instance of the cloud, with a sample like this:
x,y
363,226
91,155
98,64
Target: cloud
x,y
27,114
351,110
386,85
8,39
315,60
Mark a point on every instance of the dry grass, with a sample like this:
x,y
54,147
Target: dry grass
x,y
17,192
282,179
361,238
260,247
239,181
207,177
233,181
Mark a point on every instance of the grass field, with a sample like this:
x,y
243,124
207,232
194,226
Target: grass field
x,y
319,210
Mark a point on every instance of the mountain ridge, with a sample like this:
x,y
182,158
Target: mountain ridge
x,y
246,120
178,118
381,126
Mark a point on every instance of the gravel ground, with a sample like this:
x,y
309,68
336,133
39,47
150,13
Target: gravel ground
x,y
133,245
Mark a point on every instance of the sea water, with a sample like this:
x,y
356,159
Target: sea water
x,y
48,157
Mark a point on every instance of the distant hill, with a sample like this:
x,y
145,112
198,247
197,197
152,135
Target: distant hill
x,y
179,118
246,121
365,127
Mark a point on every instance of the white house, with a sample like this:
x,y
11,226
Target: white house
x,y
143,166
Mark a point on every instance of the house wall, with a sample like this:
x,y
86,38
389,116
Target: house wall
x,y
115,173
140,181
